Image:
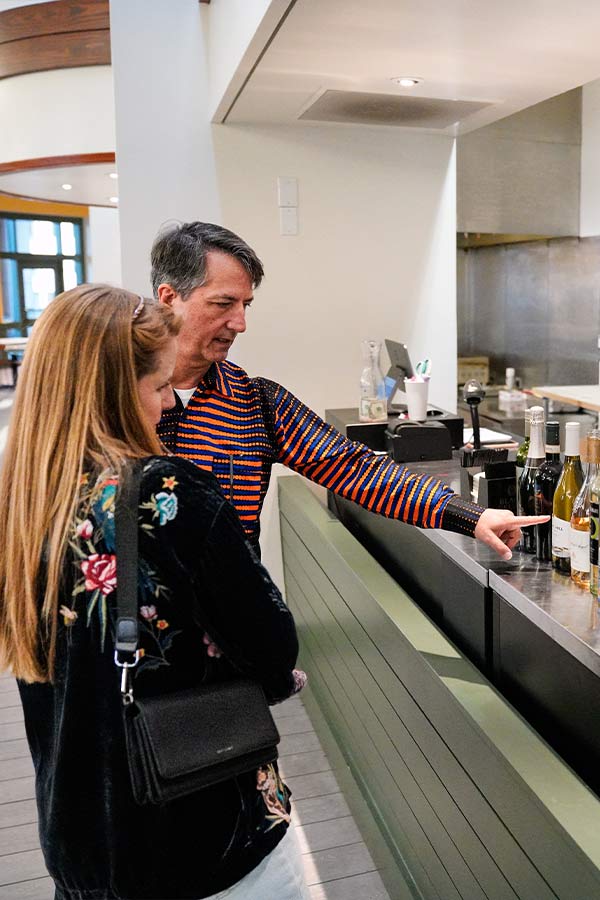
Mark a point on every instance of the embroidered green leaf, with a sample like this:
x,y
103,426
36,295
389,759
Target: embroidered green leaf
x,y
91,605
102,613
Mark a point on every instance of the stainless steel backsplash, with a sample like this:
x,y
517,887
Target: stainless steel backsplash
x,y
534,306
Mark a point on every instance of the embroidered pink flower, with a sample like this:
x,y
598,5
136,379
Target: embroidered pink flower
x,y
85,529
148,612
100,570
300,679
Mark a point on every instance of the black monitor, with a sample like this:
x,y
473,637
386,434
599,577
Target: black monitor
x,y
400,368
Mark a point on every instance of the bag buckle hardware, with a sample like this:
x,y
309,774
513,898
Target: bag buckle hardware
x,y
126,686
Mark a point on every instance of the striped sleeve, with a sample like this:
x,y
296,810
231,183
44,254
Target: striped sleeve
x,y
311,447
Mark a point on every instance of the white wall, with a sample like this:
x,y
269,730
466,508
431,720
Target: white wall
x,y
103,246
590,160
164,147
375,256
55,113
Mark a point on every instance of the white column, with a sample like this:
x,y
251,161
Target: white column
x,y
163,140
103,247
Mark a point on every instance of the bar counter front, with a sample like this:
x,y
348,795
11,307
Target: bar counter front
x,y
459,696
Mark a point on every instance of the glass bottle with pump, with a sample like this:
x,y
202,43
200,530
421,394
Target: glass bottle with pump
x,y
579,539
373,402
567,490
526,490
510,398
505,391
546,479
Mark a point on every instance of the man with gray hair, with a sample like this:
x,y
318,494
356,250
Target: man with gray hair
x,y
237,427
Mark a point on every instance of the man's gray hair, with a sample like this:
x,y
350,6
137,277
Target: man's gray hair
x,y
179,255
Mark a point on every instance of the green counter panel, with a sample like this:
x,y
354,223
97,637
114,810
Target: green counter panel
x,y
465,799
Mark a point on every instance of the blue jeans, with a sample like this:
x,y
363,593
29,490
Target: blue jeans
x,y
279,876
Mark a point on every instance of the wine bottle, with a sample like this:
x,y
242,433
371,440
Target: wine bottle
x,y
567,489
594,506
579,538
523,450
526,491
546,479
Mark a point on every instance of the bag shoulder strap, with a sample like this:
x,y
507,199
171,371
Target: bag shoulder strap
x,y
126,547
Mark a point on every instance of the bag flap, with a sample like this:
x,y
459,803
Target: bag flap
x,y
192,729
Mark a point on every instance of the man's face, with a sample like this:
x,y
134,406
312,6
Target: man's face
x,y
214,314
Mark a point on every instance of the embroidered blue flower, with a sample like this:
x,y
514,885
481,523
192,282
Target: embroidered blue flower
x,y
166,507
103,509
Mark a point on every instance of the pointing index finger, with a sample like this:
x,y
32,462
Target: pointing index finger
x,y
530,520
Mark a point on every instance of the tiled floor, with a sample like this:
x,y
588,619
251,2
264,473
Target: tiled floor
x,y
337,863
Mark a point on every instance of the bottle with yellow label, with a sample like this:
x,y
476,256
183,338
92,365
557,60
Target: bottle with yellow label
x,y
567,489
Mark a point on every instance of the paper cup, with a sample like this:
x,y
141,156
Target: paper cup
x,y
416,399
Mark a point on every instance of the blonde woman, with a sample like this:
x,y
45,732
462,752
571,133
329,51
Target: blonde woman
x,y
95,379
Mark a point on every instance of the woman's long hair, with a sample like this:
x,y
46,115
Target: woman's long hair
x,y
76,408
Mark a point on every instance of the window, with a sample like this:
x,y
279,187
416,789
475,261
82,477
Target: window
x,y
39,258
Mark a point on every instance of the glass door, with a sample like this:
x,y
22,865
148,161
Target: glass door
x,y
39,283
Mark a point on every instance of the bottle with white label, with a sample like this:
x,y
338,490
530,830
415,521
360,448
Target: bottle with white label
x,y
567,489
579,539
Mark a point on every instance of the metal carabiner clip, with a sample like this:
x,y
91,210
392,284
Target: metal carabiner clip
x,y
126,686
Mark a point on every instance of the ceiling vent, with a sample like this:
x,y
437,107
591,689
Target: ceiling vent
x,y
361,108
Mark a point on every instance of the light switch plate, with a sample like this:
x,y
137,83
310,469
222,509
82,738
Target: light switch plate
x,y
287,191
288,220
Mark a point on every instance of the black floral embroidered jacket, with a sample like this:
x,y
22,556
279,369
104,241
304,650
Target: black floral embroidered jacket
x,y
197,575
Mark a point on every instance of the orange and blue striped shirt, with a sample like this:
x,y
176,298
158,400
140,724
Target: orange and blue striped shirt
x,y
237,427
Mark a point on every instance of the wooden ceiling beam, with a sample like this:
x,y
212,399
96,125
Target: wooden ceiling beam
x,y
56,162
57,35
53,18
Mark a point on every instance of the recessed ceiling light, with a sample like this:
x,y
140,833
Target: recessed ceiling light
x,y
406,81
113,175
67,187
114,199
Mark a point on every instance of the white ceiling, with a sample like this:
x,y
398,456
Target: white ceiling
x,y
508,53
91,185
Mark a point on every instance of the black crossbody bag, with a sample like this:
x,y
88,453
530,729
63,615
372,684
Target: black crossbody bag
x,y
180,742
